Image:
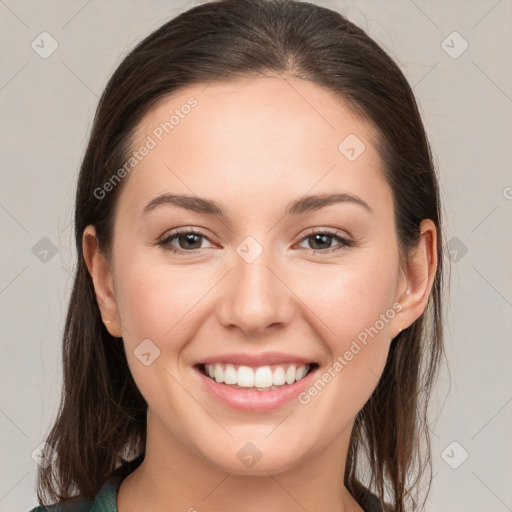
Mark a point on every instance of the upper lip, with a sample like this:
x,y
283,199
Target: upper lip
x,y
263,359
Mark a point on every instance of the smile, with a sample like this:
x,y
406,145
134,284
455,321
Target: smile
x,y
256,389
261,378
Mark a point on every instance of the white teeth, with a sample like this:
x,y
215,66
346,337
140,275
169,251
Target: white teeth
x,y
278,377
219,377
245,376
300,373
290,374
230,374
262,378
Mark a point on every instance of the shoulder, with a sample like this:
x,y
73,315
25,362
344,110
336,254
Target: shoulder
x,y
69,506
371,503
105,501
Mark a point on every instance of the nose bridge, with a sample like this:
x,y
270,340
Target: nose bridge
x,y
256,298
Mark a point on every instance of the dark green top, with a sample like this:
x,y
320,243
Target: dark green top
x,y
105,500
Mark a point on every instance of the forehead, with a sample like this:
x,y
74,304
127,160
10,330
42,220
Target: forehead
x,y
260,138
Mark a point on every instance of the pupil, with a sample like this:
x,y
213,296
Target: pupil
x,y
190,239
321,237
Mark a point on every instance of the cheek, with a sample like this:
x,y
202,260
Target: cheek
x,y
351,306
351,314
350,298
164,304
158,301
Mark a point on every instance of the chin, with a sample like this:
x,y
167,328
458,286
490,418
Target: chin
x,y
240,463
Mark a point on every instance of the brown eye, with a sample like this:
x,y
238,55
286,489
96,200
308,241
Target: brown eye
x,y
189,241
320,241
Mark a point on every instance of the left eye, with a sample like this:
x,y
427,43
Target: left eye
x,y
323,237
190,241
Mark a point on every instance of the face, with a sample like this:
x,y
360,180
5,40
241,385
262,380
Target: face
x,y
270,279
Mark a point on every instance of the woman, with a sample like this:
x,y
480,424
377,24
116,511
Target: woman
x,y
256,318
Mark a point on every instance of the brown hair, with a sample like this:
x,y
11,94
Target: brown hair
x,y
101,411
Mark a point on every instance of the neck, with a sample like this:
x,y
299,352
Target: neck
x,y
174,475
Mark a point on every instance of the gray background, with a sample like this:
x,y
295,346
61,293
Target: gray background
x,y
47,106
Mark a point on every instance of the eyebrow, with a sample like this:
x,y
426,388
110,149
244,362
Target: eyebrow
x,y
298,207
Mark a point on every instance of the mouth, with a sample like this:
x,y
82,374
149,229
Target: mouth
x,y
257,378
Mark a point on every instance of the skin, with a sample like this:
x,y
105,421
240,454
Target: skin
x,y
254,146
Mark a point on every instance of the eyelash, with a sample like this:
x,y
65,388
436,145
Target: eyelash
x,y
336,235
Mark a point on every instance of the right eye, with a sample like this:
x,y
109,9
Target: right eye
x,y
186,237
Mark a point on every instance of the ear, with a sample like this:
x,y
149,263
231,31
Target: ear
x,y
417,281
100,271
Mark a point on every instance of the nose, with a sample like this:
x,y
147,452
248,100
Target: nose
x,y
256,298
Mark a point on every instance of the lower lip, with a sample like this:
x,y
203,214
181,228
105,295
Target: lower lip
x,y
253,400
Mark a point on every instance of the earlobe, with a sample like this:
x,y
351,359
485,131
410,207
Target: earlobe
x,y
100,272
